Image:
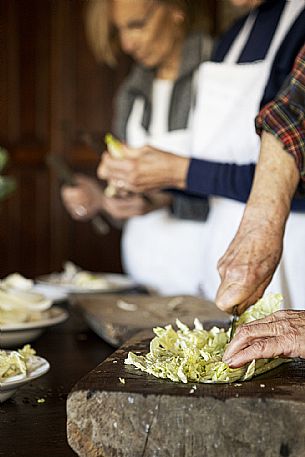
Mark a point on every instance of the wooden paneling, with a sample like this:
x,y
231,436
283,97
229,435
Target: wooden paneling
x,y
51,89
80,92
24,130
51,92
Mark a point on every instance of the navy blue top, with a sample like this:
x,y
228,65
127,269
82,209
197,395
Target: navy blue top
x,y
231,180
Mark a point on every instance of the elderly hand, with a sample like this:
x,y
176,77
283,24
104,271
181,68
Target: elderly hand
x,y
247,267
280,334
84,200
144,169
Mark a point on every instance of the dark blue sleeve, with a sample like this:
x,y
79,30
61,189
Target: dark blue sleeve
x,y
226,180
220,179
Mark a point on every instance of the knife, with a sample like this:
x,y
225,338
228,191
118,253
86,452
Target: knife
x,y
66,175
233,323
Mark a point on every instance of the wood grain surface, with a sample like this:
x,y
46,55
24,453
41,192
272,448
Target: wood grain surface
x,y
116,318
147,417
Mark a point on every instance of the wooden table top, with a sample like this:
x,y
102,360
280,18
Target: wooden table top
x,y
286,382
29,428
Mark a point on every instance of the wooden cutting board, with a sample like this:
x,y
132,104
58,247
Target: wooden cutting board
x,y
118,317
147,417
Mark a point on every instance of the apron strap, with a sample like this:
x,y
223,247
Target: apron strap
x,y
290,13
241,39
206,49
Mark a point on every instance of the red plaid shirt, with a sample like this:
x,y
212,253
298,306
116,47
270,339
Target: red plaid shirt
x,y
284,117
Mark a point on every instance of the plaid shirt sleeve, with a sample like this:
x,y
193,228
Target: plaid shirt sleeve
x,y
284,117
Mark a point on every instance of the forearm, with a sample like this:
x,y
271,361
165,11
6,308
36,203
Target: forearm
x,y
249,263
275,182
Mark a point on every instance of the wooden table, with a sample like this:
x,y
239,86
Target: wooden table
x,y
29,428
149,417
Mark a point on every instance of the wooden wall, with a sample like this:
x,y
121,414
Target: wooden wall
x,y
51,90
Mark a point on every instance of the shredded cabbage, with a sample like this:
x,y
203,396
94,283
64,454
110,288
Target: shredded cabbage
x,y
74,276
15,363
18,303
196,355
16,281
89,280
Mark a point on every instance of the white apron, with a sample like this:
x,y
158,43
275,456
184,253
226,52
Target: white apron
x,y
159,250
227,104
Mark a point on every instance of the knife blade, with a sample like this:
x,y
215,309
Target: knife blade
x,y
66,175
233,323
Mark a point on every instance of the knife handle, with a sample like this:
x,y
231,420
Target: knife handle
x,y
233,323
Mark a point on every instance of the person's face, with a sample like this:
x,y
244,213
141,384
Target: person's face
x,y
148,29
247,3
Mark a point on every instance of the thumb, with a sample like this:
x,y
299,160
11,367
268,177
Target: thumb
x,y
131,153
230,295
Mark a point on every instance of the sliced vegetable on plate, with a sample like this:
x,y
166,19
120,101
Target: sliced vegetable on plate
x,y
18,368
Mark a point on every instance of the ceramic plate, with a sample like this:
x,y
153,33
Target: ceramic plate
x,y
10,385
115,283
53,293
12,335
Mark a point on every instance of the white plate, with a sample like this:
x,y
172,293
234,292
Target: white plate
x,y
53,293
115,283
10,385
12,335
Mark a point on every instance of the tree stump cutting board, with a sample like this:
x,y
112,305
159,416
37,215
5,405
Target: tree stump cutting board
x,y
116,318
150,417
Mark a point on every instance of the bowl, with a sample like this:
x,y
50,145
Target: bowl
x,y
8,387
13,335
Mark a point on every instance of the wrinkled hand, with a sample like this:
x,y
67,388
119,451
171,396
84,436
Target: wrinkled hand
x,y
144,169
84,200
280,334
248,265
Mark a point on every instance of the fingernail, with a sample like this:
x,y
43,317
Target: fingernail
x,y
228,361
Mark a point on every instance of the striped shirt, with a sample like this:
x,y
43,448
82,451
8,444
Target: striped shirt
x,y
284,117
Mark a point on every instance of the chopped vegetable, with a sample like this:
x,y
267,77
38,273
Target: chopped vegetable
x,y
196,355
18,302
15,363
16,281
75,276
115,148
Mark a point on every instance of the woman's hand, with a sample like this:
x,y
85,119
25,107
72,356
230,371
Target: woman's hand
x,y
84,200
280,334
144,169
135,205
